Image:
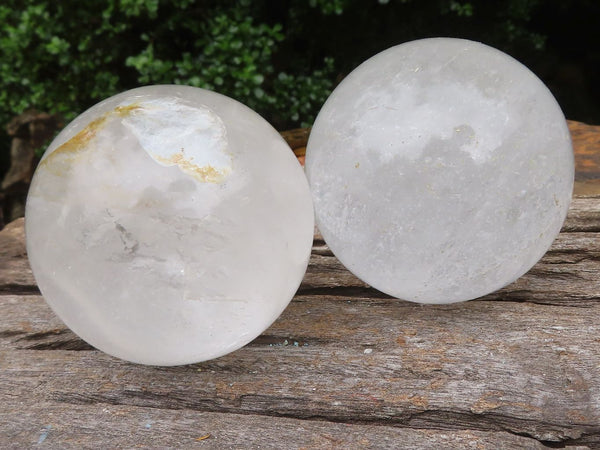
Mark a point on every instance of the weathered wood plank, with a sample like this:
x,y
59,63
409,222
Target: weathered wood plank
x,y
79,426
15,273
586,145
524,368
296,138
584,215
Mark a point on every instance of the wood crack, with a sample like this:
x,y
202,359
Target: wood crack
x,y
15,289
343,291
552,436
524,296
55,339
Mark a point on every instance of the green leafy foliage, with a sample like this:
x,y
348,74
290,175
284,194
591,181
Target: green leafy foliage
x,y
299,93
329,6
231,55
281,58
64,56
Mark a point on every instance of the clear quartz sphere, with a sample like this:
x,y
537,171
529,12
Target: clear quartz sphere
x,y
169,225
441,170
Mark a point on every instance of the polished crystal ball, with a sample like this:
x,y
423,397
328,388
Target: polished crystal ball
x,y
169,225
441,170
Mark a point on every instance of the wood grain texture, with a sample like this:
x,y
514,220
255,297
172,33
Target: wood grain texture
x,y
586,145
15,273
82,426
296,138
345,366
525,369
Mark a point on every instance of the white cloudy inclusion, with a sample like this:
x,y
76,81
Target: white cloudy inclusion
x,y
169,225
441,170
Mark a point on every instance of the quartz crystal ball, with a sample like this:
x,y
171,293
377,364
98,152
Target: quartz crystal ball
x,y
169,225
441,170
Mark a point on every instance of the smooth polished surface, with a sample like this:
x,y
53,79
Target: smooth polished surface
x,y
441,170
169,225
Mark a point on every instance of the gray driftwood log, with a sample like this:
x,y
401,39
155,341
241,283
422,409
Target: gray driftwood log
x,y
344,367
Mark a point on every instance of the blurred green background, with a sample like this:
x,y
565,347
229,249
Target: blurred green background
x,y
281,58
